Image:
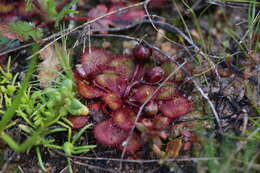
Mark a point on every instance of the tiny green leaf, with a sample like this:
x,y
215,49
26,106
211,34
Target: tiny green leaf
x,y
26,30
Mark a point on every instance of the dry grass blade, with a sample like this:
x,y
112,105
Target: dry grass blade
x,y
195,159
232,4
4,52
95,167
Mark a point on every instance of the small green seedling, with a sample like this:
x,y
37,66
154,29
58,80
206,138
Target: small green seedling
x,y
8,86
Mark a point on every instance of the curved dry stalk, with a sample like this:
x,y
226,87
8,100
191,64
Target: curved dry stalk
x,y
16,48
95,167
194,159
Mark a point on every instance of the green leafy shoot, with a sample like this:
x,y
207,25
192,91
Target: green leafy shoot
x,y
50,6
26,30
65,10
64,59
28,5
11,111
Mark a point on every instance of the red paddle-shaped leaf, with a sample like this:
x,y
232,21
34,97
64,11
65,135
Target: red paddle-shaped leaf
x,y
125,17
98,11
161,122
108,134
111,81
78,121
123,65
124,118
142,93
87,91
167,92
176,107
134,144
154,74
112,100
93,60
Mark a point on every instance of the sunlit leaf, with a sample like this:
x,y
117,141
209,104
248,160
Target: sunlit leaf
x,y
87,91
142,93
108,134
124,118
94,59
176,107
112,82
113,101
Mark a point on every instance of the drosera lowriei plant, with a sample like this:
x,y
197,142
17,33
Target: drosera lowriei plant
x,y
121,84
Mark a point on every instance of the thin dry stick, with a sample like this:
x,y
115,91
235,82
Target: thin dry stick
x,y
245,123
89,39
68,31
64,170
141,109
194,159
136,161
95,167
16,48
163,25
251,163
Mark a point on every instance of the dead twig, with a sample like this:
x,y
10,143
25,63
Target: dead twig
x,y
95,167
16,48
195,159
